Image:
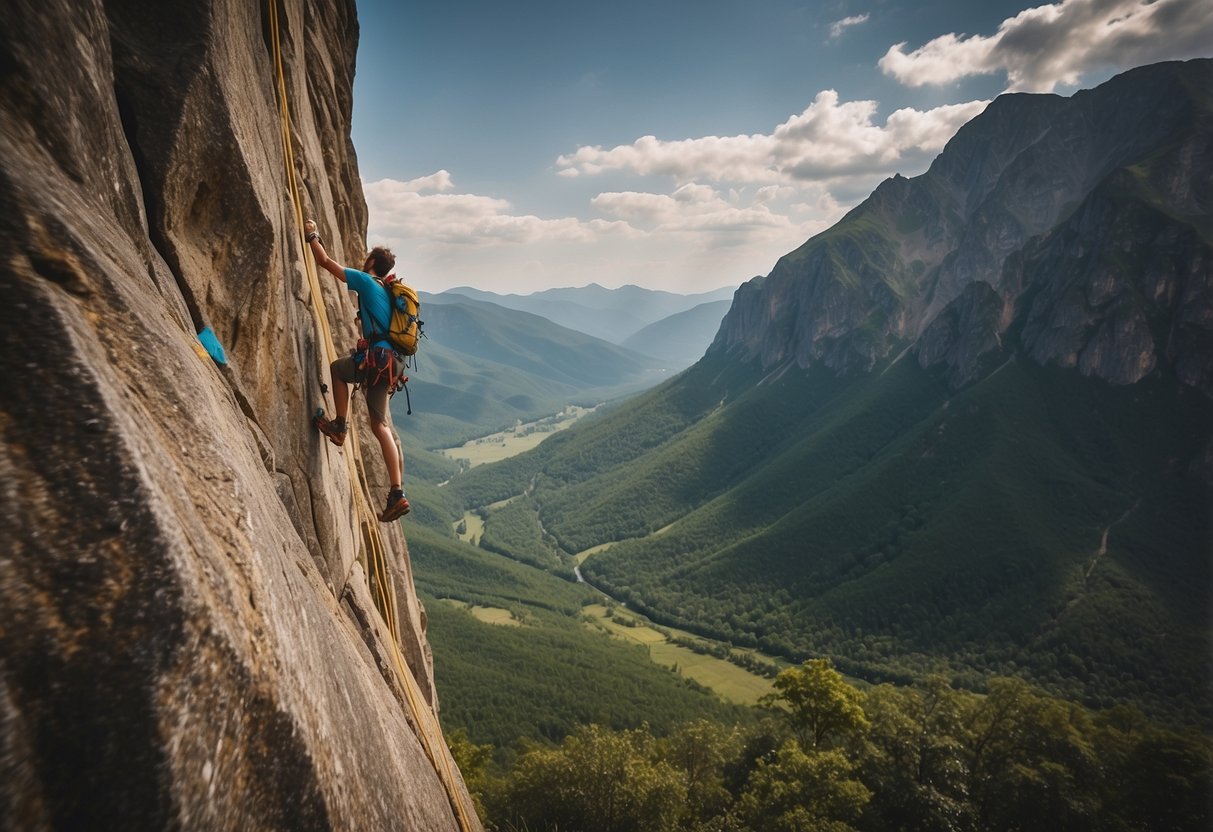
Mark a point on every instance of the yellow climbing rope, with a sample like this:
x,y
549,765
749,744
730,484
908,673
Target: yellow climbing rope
x,y
426,724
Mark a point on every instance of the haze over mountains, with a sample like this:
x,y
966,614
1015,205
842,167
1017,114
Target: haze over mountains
x,y
487,361
613,315
968,429
679,338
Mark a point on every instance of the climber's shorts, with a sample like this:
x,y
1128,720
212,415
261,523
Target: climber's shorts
x,y
376,395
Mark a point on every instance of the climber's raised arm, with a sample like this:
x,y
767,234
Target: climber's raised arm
x,y
322,258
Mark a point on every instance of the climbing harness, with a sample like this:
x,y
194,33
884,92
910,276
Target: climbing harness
x,y
428,731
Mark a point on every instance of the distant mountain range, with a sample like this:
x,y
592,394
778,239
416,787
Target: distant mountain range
x,y
682,338
613,315
968,429
484,365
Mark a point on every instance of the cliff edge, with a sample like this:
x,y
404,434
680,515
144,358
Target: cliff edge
x,y
188,637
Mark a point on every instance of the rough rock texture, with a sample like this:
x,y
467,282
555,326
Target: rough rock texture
x,y
1073,231
188,639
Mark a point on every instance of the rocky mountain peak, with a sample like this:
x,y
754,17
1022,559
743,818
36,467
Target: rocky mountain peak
x,y
1074,231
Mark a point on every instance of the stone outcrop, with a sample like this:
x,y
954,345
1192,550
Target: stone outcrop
x,y
1072,231
188,638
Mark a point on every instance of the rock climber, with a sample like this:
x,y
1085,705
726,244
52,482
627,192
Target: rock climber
x,y
369,365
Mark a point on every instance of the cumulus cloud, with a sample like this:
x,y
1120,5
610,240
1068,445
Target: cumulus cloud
x,y
440,181
692,238
1051,45
839,26
829,140
694,208
408,210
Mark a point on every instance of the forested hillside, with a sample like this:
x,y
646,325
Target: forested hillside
x,y
549,722
829,756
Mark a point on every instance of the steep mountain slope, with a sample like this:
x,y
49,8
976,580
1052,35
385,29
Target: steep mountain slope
x,y
967,429
532,344
1013,185
189,640
613,315
682,338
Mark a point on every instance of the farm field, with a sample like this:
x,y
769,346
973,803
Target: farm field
x,y
507,443
489,615
731,682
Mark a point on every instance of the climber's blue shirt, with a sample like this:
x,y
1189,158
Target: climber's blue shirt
x,y
376,301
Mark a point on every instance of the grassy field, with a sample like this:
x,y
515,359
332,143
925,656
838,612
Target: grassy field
x,y
731,682
507,443
473,528
489,615
593,550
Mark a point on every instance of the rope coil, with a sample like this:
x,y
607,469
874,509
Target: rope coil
x,y
377,567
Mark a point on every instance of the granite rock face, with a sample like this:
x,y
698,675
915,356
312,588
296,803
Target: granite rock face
x,y
1074,231
189,640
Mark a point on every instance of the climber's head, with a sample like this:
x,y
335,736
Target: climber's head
x,y
380,261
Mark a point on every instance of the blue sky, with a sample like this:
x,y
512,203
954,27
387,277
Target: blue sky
x,y
686,145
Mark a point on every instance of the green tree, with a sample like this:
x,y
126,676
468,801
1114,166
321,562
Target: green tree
x,y
802,791
700,751
473,761
824,708
596,781
1168,783
1031,763
914,760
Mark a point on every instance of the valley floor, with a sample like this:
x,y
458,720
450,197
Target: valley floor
x,y
714,665
504,444
728,680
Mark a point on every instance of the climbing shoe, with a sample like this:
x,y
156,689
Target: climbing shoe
x,y
334,429
397,506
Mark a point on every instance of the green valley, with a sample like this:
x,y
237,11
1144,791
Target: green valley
x,y
974,555
894,525
571,655
483,369
517,657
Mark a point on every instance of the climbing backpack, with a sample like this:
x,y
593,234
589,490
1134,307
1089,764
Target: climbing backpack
x,y
404,329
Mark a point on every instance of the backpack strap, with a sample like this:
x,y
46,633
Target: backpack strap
x,y
376,334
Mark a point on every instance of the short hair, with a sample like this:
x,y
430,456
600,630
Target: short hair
x,y
382,260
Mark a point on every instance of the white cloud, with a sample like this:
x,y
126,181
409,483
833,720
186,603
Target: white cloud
x,y
734,206
695,208
401,211
769,193
733,158
440,181
829,140
695,237
838,26
1051,45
